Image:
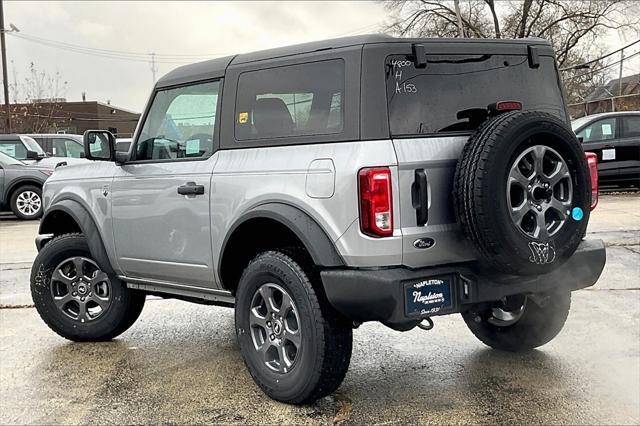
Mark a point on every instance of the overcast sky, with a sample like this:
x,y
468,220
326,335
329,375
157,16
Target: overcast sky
x,y
166,28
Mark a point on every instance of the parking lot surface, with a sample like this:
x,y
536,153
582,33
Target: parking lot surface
x,y
180,362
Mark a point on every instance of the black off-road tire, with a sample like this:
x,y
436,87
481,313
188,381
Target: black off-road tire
x,y
324,357
480,188
123,311
539,324
14,202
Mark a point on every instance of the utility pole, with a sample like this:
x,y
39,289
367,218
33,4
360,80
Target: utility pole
x,y
456,3
620,75
5,78
154,68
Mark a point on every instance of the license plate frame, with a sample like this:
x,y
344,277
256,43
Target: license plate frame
x,y
429,296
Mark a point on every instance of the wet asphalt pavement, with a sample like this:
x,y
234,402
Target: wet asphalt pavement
x,y
180,362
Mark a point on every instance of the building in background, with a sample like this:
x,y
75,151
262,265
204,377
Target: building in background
x,y
60,116
610,97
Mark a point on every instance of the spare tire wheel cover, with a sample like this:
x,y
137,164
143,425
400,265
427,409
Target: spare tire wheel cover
x,y
522,192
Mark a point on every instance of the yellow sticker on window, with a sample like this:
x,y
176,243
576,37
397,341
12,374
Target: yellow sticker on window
x,y
243,117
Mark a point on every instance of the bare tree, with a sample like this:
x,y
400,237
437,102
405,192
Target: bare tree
x,y
37,102
574,28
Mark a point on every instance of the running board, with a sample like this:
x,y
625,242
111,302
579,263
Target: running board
x,y
186,291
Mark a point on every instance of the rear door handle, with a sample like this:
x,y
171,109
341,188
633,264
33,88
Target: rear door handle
x,y
420,197
190,188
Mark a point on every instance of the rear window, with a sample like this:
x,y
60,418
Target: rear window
x,y
296,100
453,91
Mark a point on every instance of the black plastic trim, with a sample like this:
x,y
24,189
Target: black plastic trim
x,y
377,295
316,241
88,227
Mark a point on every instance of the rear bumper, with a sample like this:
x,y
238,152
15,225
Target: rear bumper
x,y
378,295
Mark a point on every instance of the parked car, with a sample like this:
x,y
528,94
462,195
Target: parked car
x,y
615,138
60,145
21,147
21,187
319,186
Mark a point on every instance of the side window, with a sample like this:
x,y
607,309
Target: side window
x,y
601,130
63,147
180,123
294,100
631,127
14,149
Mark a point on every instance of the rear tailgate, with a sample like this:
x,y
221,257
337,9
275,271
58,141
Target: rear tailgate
x,y
432,112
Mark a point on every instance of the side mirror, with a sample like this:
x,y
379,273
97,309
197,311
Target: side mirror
x,y
32,155
99,145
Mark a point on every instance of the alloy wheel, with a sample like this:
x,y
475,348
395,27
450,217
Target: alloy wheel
x,y
80,289
28,203
508,311
539,192
275,327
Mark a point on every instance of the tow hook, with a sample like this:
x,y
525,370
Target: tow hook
x,y
427,326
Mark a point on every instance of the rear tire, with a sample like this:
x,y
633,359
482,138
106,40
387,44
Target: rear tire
x,y
26,202
75,305
316,341
540,320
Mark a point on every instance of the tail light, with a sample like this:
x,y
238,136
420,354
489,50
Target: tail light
x,y
376,206
504,106
592,161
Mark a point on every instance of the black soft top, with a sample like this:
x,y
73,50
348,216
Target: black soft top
x,y
216,68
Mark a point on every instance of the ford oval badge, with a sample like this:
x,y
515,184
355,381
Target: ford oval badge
x,y
424,243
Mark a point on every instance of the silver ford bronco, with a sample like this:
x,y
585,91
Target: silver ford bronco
x,y
319,186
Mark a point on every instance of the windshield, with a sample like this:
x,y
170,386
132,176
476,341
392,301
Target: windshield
x,y
5,160
32,145
453,91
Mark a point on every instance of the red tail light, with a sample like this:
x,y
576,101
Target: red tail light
x,y
592,161
376,205
504,106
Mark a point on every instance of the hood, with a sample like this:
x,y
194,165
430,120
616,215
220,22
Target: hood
x,y
52,162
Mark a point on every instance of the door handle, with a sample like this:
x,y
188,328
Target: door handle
x,y
190,188
420,197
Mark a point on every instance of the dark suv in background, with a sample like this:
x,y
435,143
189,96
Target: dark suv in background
x,y
615,138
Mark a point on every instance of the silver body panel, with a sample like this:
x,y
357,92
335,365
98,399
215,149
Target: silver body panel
x,y
151,232
438,156
157,232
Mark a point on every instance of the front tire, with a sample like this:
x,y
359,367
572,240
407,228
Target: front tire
x,y
519,323
295,346
26,202
75,298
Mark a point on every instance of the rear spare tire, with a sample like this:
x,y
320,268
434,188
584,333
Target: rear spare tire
x,y
522,192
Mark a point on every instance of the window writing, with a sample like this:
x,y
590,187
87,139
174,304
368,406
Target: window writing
x,y
453,91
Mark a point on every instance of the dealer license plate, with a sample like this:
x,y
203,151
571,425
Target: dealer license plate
x,y
428,297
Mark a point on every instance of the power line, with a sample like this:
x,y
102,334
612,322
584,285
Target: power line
x,y
117,56
600,58
115,52
602,68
